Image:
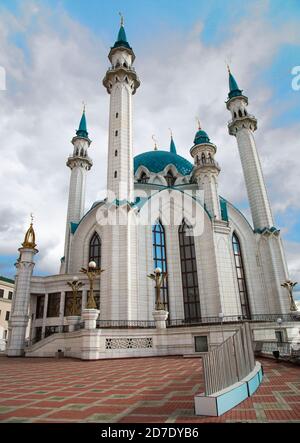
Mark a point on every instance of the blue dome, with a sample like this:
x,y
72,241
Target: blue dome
x,y
201,137
156,161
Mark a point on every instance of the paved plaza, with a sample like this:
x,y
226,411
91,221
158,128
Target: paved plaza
x,y
145,390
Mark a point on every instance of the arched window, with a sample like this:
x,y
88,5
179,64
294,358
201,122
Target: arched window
x,y
160,259
95,249
240,273
117,115
116,133
170,178
234,114
116,153
116,174
240,113
189,274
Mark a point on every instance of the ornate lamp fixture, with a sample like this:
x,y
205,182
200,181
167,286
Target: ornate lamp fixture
x,y
91,272
158,276
75,285
289,285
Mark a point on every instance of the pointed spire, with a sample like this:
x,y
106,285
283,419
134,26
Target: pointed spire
x,y
172,144
29,239
155,143
122,38
82,130
234,90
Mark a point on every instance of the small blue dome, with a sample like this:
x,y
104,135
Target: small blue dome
x,y
156,161
201,137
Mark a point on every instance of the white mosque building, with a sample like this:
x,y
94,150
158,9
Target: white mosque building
x,y
233,271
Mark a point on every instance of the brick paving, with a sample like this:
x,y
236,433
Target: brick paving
x,y
144,390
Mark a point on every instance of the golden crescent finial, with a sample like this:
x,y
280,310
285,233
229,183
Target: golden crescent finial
x,y
171,132
198,122
155,142
31,217
228,68
122,18
83,104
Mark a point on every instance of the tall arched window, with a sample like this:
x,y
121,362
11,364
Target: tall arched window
x,y
189,274
240,273
95,249
160,259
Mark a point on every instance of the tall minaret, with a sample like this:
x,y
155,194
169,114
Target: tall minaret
x,y
242,127
271,252
79,162
20,306
121,83
206,171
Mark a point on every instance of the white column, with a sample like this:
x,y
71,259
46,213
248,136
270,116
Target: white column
x,y
20,314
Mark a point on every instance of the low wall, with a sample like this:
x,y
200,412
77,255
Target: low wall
x,y
121,343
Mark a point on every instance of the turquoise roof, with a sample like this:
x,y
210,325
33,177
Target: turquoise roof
x,y
122,39
234,90
201,137
172,146
156,161
82,130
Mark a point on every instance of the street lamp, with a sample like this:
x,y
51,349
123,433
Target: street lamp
x,y
158,276
75,284
91,272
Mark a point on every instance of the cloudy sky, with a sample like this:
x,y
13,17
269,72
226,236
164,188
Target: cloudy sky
x,y
54,53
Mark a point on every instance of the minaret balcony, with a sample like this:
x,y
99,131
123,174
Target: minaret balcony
x,y
248,121
121,72
208,163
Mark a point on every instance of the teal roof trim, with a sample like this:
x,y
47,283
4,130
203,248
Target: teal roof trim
x,y
82,130
201,137
156,161
6,280
263,230
74,226
223,206
122,39
234,90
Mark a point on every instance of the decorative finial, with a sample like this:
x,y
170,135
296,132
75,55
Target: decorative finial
x,y
155,143
228,68
171,132
83,104
29,239
122,18
198,122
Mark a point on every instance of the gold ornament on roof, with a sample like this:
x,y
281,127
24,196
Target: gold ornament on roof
x,y
155,143
29,239
122,18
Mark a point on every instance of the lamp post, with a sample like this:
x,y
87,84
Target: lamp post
x,y
160,314
75,284
91,272
221,317
158,276
74,317
289,285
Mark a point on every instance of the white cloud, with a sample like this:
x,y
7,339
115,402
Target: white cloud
x,y
181,77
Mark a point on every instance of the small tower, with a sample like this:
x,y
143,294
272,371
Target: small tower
x,y
206,171
121,82
79,162
242,127
20,307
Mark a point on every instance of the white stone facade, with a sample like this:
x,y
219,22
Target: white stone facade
x,y
219,285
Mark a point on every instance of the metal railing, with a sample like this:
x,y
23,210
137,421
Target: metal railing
x,y
230,362
285,349
125,324
232,319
